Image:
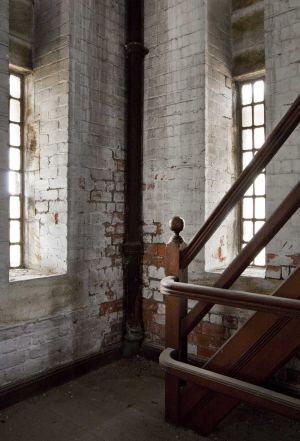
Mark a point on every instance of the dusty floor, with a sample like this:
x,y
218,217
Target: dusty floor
x,y
124,402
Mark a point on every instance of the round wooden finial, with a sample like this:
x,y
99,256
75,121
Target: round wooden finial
x,y
176,224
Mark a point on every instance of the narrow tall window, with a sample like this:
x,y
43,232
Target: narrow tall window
x,y
252,138
15,169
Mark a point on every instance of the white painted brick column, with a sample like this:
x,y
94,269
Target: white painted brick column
x,y
220,157
174,123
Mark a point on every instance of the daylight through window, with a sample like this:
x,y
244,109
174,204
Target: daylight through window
x,y
15,170
252,138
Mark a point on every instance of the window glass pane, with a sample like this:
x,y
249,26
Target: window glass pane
x,y
14,207
260,259
259,91
260,185
15,256
247,139
249,192
15,110
259,137
14,185
14,159
247,231
15,232
252,139
260,209
247,116
247,157
246,94
258,225
15,86
16,173
14,135
259,115
247,208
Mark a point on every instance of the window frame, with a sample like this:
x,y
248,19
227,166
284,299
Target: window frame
x,y
22,173
240,82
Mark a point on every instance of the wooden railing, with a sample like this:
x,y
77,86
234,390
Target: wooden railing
x,y
241,390
224,384
237,299
179,321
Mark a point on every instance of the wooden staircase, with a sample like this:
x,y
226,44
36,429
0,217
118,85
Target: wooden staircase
x,y
201,397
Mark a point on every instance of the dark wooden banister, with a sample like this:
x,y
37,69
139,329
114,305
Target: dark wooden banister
x,y
271,146
280,216
285,309
241,390
239,357
238,299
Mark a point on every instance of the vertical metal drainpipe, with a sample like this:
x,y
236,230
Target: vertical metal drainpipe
x,y
133,245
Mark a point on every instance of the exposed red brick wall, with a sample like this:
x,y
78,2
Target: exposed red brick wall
x,y
206,338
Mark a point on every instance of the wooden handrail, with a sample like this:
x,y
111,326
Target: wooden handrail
x,y
239,299
271,146
280,216
241,390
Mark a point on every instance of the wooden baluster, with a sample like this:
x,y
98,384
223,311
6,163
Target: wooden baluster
x,y
176,309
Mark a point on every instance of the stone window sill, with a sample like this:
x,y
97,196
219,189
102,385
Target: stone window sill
x,y
249,272
255,272
21,274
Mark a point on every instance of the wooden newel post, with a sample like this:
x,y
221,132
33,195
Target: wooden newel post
x,y
176,309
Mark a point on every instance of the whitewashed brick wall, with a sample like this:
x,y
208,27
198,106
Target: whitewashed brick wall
x,y
46,155
174,148
282,36
75,133
247,37
282,27
4,41
174,139
174,182
188,156
220,156
36,346
96,151
75,140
